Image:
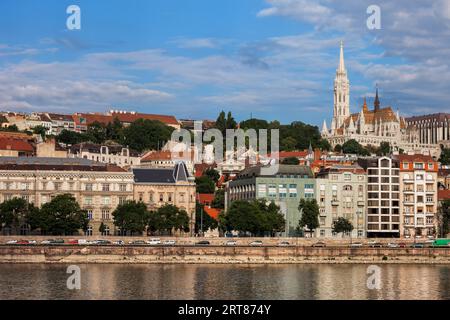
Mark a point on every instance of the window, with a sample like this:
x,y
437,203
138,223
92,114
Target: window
x,y
105,214
169,197
429,220
272,190
88,200
123,187
89,231
347,188
322,233
181,197
122,200
360,233
405,165
106,200
262,190
105,187
57,185
418,165
161,197
430,165
292,191
282,191
347,177
141,196
429,198
88,186
90,215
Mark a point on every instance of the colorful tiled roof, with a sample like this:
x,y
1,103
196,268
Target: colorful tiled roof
x,y
15,144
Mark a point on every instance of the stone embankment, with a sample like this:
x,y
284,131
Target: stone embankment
x,y
214,254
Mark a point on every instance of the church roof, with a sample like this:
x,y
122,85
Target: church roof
x,y
370,116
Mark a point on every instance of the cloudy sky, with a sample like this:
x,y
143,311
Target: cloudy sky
x,y
272,59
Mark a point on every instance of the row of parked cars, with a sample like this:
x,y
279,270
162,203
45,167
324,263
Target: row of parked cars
x,y
92,242
375,244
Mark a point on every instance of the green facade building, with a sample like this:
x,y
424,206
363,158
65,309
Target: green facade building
x,y
285,188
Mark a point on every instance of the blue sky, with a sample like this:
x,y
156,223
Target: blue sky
x,y
274,59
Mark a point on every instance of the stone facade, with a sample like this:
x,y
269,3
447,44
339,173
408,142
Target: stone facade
x,y
341,192
97,188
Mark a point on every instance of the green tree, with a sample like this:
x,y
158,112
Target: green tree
x,y
15,212
168,218
342,225
144,134
288,144
255,217
353,147
96,132
131,217
61,216
102,228
444,218
205,184
212,173
338,148
41,130
310,214
291,161
70,137
254,124
219,199
444,159
384,149
114,130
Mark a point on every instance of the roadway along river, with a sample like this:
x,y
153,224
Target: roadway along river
x,y
26,281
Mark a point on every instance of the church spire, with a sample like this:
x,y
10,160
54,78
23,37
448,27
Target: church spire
x,y
365,109
341,59
376,103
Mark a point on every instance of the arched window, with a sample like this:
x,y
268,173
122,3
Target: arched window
x,y
347,188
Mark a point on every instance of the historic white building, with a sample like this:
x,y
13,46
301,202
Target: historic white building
x,y
370,127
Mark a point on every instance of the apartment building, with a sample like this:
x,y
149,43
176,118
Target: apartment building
x,y
285,188
418,195
97,187
383,196
157,187
341,192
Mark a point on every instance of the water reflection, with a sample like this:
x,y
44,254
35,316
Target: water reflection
x,y
224,282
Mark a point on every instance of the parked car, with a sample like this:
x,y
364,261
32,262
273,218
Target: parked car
x,y
22,242
103,242
356,245
417,245
202,243
392,245
284,244
137,242
72,242
154,241
256,243
230,243
319,244
119,242
402,245
11,242
57,241
82,241
375,245
169,242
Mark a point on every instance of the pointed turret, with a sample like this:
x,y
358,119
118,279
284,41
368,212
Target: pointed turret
x,y
351,126
333,126
365,109
324,128
376,102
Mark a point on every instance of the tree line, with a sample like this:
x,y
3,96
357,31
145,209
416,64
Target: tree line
x,y
63,216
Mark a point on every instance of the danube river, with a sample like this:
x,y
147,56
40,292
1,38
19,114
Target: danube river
x,y
340,281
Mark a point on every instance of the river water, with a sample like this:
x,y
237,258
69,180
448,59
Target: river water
x,y
34,281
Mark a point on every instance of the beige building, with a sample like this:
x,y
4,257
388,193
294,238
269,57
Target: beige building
x,y
98,188
157,187
418,195
341,192
112,154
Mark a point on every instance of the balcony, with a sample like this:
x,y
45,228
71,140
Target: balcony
x,y
361,203
334,202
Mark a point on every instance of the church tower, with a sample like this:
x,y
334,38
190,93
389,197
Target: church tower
x,y
341,92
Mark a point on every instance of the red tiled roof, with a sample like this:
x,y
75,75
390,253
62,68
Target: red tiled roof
x,y
15,144
15,135
212,212
205,198
443,195
289,154
131,117
199,168
167,155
